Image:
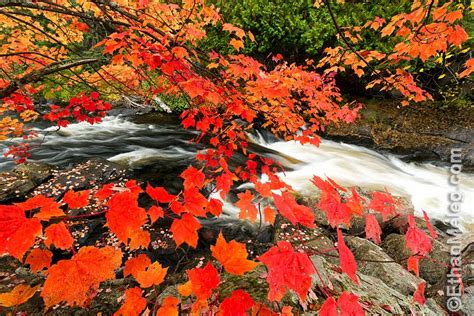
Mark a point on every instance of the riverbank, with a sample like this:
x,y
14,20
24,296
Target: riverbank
x,y
419,132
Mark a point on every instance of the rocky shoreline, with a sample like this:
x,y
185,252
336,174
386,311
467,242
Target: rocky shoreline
x,y
424,133
386,287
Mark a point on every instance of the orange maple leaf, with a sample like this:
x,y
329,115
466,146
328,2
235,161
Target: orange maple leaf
x,y
59,235
237,44
134,303
38,259
247,209
20,294
136,264
154,274
169,307
48,207
155,212
125,219
232,256
17,233
193,178
185,230
76,281
76,199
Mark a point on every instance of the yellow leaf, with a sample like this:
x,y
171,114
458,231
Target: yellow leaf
x,y
442,76
20,294
237,44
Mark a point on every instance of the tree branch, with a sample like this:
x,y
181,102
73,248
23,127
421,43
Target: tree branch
x,y
43,72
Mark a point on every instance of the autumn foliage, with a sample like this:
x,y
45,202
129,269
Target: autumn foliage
x,y
151,48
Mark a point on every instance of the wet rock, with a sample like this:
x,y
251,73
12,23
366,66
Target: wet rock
x,y
391,273
37,172
432,269
84,175
397,129
14,186
381,298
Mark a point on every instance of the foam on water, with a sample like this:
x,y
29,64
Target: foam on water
x,y
426,185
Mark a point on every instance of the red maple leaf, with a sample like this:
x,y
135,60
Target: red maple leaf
x,y
247,208
346,258
185,230
134,303
17,233
48,207
372,229
433,234
193,178
292,211
383,203
416,239
194,202
349,305
287,270
125,218
203,281
419,295
237,304
159,194
59,236
76,199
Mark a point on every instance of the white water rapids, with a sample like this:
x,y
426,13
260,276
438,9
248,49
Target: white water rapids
x,y
119,140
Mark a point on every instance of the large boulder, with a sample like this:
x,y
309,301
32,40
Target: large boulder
x,y
373,261
432,269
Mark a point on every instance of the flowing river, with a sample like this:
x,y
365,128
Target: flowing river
x,y
139,145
